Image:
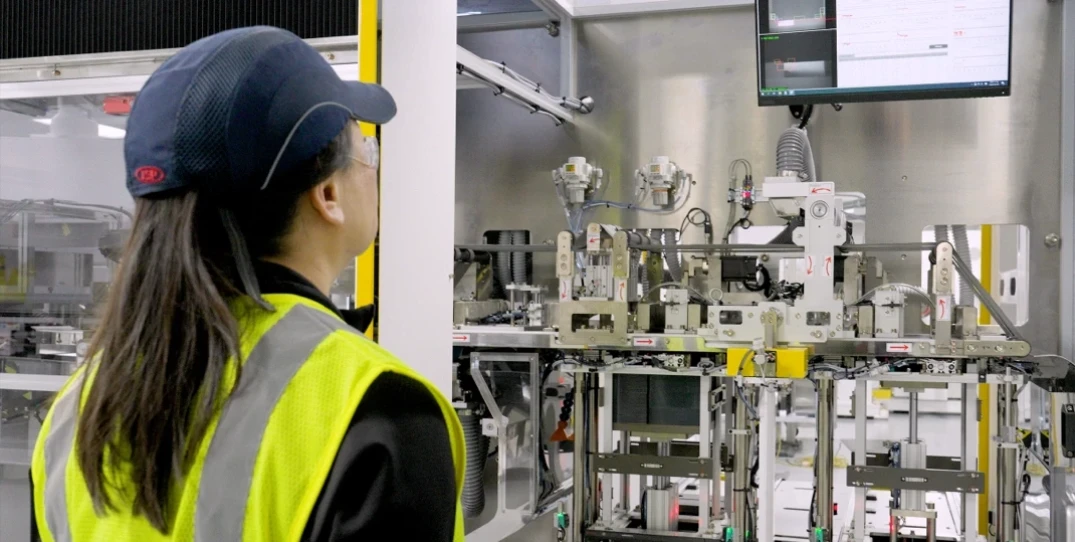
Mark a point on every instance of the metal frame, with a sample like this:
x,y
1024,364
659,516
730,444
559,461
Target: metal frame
x,y
969,454
477,359
32,382
78,68
503,21
591,9
917,479
488,72
1067,183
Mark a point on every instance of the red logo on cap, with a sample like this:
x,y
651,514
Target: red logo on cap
x,y
149,175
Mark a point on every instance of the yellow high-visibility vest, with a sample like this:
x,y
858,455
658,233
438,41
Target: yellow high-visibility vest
x,y
266,455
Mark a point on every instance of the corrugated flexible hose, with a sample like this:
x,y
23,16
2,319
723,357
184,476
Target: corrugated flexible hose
x,y
962,244
518,259
474,478
503,259
671,255
793,153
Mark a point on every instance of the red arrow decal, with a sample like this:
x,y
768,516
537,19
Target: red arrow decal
x,y
809,265
623,286
941,303
644,341
899,347
820,190
460,337
828,266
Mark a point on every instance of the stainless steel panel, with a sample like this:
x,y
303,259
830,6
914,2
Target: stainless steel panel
x,y
1067,150
683,84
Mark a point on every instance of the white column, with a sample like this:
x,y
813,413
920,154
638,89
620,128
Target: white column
x,y
766,463
418,185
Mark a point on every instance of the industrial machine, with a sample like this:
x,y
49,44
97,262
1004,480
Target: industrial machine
x,y
667,370
56,257
617,381
670,360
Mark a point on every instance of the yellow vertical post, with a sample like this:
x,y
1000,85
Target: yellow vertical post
x,y
984,317
366,265
984,392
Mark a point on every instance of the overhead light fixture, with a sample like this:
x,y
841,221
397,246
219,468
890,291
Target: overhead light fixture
x,y
468,13
103,130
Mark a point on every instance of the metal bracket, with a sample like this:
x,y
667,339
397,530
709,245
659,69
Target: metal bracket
x,y
916,479
654,465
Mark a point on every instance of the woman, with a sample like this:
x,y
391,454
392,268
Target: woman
x,y
254,189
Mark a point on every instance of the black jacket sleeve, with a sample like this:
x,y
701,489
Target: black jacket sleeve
x,y
393,476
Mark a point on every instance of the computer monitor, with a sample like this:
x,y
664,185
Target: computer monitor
x,y
836,51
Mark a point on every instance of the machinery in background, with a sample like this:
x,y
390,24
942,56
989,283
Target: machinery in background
x,y
672,360
56,258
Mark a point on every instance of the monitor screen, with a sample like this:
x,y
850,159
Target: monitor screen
x,y
834,51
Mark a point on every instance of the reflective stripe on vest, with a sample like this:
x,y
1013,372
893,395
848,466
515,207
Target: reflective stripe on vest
x,y
228,472
229,466
57,453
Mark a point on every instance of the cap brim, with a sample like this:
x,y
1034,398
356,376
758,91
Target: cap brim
x,y
368,102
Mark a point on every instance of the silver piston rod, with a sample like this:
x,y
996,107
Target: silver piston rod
x,y
740,471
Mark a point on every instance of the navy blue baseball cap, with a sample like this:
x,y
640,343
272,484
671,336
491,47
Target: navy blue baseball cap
x,y
234,112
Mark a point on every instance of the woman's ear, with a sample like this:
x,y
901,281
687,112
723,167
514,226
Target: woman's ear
x,y
325,199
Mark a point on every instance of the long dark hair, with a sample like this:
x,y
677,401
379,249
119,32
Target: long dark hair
x,y
164,349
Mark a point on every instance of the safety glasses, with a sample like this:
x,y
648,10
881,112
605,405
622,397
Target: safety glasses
x,y
371,153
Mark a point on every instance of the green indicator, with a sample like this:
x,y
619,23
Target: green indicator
x,y
729,534
820,535
561,520
770,38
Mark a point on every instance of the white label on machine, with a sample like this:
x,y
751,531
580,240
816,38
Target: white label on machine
x,y
944,308
645,341
898,348
461,337
565,289
621,290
